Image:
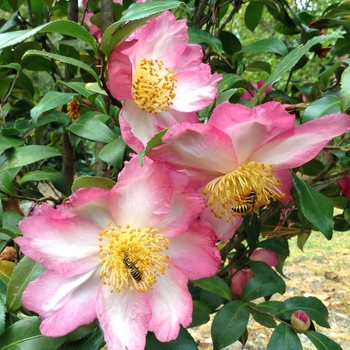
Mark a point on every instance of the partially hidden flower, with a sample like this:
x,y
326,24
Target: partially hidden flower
x,y
248,95
239,278
160,77
240,159
300,321
123,256
344,184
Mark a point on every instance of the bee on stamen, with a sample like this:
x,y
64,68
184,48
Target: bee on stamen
x,y
248,206
132,268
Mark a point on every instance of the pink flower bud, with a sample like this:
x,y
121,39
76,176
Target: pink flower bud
x,y
239,279
267,256
300,321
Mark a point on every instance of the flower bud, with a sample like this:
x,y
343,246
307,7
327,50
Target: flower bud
x,y
239,279
300,321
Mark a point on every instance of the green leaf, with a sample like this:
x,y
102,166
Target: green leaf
x,y
200,314
49,174
345,89
50,101
25,271
25,334
92,181
271,306
321,341
284,338
317,208
91,129
6,269
312,306
229,324
6,180
145,9
215,285
288,62
77,86
156,140
253,14
113,153
323,106
264,319
18,157
63,59
198,36
267,45
92,341
63,27
261,286
184,341
7,142
275,245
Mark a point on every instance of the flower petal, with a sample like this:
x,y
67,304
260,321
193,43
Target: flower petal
x,y
297,146
68,246
124,318
195,252
171,305
63,303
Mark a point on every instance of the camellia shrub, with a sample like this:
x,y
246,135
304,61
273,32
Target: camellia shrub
x,y
156,159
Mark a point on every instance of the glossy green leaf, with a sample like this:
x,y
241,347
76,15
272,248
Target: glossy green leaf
x,y
275,245
198,36
264,319
25,271
323,106
253,14
229,324
92,341
321,341
77,86
345,89
94,130
317,208
18,157
63,59
52,175
267,45
156,140
314,308
6,269
50,101
272,306
113,153
200,314
261,268
261,286
92,181
64,27
284,338
215,285
289,61
7,142
183,341
25,334
6,181
145,9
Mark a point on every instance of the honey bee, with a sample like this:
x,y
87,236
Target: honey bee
x,y
134,270
248,206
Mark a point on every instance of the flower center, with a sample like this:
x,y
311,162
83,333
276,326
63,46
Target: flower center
x,y
153,86
240,192
132,258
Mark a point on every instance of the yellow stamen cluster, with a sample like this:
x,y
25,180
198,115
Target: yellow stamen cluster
x,y
132,258
238,193
73,109
153,86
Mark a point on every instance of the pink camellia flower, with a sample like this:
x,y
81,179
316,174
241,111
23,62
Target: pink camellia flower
x,y
160,77
239,278
240,159
123,256
344,184
300,321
